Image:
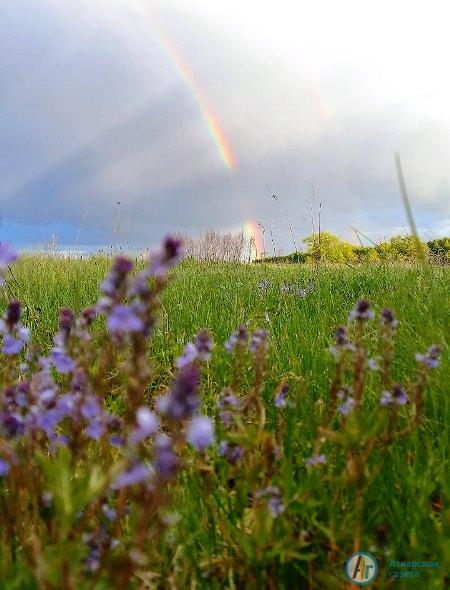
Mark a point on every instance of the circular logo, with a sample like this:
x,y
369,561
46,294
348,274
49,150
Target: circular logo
x,y
361,568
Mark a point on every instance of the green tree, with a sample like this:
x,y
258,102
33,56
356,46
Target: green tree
x,y
327,247
440,249
403,248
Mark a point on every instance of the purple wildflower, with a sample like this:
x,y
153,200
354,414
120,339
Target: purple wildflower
x,y
341,336
4,467
431,358
182,400
190,353
166,462
204,344
280,396
237,338
373,364
66,320
227,399
48,420
362,311
397,396
123,319
147,425
342,342
316,460
275,506
167,256
264,285
12,315
96,429
134,475
12,345
231,452
258,340
200,433
347,406
116,440
12,424
387,318
61,361
14,335
90,408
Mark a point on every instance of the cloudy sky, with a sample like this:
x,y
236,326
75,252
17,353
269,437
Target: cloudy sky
x,y
122,120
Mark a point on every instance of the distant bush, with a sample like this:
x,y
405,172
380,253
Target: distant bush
x,y
440,249
329,248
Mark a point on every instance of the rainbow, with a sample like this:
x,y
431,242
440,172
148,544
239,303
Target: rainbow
x,y
213,125
254,233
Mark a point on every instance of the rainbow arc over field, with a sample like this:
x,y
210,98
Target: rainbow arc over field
x,y
183,70
212,123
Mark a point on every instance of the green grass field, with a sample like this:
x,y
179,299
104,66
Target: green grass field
x,y
221,296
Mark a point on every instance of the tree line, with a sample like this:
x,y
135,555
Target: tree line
x,y
328,248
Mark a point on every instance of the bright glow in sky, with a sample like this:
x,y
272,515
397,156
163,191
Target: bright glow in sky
x,y
191,114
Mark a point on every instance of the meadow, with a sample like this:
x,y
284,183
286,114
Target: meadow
x,y
315,483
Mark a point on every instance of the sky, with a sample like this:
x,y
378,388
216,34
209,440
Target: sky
x,y
123,120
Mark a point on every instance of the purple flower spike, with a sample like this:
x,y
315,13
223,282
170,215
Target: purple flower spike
x,y
362,311
96,429
316,460
239,337
275,506
204,345
346,407
431,358
136,474
190,353
183,400
166,462
397,396
12,316
147,423
62,362
200,433
280,396
258,340
168,255
12,345
387,318
122,319
90,408
373,364
66,320
4,467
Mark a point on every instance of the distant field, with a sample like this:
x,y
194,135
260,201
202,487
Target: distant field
x,y
221,296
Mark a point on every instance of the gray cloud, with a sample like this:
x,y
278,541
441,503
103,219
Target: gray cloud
x,y
94,112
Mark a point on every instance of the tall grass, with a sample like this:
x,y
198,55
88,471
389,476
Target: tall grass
x,y
407,516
